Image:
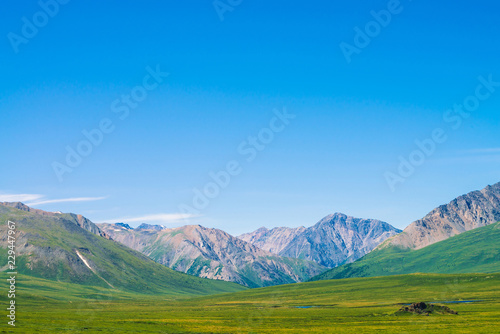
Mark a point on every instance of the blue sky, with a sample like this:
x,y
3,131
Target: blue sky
x,y
226,81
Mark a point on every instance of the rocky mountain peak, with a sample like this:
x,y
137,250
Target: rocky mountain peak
x,y
24,207
145,226
124,225
464,213
74,218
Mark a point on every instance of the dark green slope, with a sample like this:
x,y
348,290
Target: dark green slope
x,y
56,247
475,251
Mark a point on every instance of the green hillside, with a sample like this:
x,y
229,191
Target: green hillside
x,y
475,251
55,247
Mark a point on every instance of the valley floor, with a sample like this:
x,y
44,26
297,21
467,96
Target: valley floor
x,y
358,305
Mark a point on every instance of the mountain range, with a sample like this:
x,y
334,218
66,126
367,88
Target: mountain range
x,y
212,253
333,241
459,237
474,251
70,248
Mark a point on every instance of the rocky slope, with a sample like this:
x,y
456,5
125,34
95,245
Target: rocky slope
x,y
464,213
335,240
274,240
70,248
212,253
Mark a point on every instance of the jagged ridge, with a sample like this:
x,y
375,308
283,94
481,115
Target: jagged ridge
x,y
334,240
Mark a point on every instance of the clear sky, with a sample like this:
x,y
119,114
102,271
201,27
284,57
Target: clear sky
x,y
359,101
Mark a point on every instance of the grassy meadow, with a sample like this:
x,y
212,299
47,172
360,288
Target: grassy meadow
x,y
355,305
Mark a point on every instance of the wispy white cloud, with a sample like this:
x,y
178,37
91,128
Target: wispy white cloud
x,y
38,199
165,218
72,199
19,197
470,159
471,156
489,150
